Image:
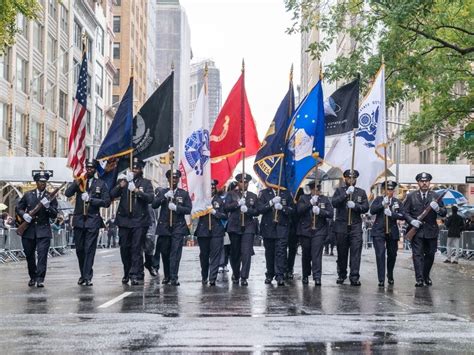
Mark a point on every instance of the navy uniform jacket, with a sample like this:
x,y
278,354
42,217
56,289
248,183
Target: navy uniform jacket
x,y
140,201
183,207
304,209
40,225
217,221
377,209
99,197
413,206
231,206
269,228
339,201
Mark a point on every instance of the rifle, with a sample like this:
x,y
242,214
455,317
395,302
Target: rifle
x,y
412,231
24,225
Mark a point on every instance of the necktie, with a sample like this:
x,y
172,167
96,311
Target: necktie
x,y
424,197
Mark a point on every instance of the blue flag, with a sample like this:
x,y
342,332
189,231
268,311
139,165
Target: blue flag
x,y
268,161
305,139
118,141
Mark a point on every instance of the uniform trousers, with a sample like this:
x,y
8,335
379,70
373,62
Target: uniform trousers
x,y
349,244
312,256
423,251
131,241
292,249
275,257
86,246
176,249
210,249
241,250
163,248
385,244
36,268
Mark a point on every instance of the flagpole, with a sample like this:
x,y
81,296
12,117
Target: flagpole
x,y
242,136
387,230
130,204
83,185
206,72
349,218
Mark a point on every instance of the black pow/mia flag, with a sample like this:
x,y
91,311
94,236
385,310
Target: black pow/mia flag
x,y
341,109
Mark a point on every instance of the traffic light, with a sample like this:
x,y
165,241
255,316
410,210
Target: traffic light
x,y
171,156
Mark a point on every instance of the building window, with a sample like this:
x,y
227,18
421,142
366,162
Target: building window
x,y
98,124
115,99
116,50
37,86
51,49
77,70
89,83
99,79
22,24
50,103
100,40
38,36
20,129
50,140
64,18
4,121
53,8
62,104
4,66
117,2
116,26
35,136
88,122
117,77
63,61
21,65
61,147
77,35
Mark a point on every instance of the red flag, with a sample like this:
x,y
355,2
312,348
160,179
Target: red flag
x,y
227,142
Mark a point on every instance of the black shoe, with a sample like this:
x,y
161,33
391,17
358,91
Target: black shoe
x,y
428,282
175,283
244,282
31,283
204,282
355,283
235,280
125,280
40,284
304,280
281,283
165,281
447,261
290,275
212,283
331,253
419,283
152,271
340,280
317,282
81,281
88,283
268,281
454,262
135,282
381,284
391,282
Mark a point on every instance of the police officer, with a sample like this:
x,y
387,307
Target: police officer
x,y
385,233
314,210
276,208
292,240
242,227
210,232
349,201
175,203
133,219
424,243
37,237
86,220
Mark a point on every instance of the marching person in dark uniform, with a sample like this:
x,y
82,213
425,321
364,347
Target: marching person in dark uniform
x,y
37,237
425,241
242,227
210,232
86,220
276,210
313,210
386,208
292,241
175,204
133,219
349,235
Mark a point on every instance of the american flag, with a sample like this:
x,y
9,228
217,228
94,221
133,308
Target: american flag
x,y
77,147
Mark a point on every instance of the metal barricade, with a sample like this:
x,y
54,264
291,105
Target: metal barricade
x,y
467,244
14,245
3,254
443,241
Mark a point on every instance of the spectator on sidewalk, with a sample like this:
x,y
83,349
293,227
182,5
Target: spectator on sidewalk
x,y
455,225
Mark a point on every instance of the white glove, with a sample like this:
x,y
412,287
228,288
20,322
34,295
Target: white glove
x,y
386,201
243,209
122,177
45,202
434,205
270,203
416,223
129,176
350,190
242,202
27,217
387,212
85,196
172,206
276,199
314,200
131,186
213,211
316,210
350,204
169,194
278,206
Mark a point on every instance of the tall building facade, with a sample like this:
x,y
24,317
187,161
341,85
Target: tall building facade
x,y
173,49
214,87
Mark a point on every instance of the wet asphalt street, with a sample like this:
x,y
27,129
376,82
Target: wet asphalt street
x,y
110,317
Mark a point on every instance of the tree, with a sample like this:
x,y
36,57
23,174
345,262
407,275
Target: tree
x,y
9,9
428,48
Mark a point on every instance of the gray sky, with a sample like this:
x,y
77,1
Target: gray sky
x,y
229,30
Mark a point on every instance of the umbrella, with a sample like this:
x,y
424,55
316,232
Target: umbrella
x,y
452,197
3,206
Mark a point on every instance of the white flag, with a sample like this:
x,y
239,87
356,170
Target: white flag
x,y
195,164
371,137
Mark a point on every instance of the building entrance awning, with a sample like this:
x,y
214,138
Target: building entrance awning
x,y
446,174
19,169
